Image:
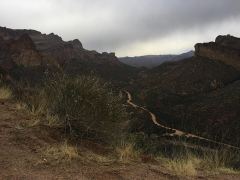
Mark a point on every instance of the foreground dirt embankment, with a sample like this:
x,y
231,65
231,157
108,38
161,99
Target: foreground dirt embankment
x,y
21,155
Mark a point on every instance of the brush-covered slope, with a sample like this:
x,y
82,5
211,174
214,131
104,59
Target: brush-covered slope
x,y
199,94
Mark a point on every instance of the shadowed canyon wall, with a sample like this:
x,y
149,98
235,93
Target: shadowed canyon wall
x,y
225,49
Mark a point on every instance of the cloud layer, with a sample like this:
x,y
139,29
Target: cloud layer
x,y
129,27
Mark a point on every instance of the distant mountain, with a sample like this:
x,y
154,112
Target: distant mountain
x,y
151,61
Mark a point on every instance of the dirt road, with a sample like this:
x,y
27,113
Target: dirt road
x,y
176,132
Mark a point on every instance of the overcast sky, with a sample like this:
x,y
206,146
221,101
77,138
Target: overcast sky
x,y
127,27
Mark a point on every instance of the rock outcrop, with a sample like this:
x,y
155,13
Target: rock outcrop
x,y
32,48
55,50
225,49
21,52
229,41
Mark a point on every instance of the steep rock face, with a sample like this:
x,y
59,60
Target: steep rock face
x,y
229,41
225,49
21,52
55,50
69,56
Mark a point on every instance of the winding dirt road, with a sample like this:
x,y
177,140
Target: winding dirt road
x,y
176,132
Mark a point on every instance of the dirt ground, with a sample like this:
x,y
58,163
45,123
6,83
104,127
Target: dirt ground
x,y
21,155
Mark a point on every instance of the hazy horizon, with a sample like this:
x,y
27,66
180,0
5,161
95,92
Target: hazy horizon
x,y
129,28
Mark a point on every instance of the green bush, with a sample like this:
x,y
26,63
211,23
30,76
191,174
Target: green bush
x,y
85,106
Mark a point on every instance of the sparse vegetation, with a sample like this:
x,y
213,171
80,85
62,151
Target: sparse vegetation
x,y
85,106
52,120
89,156
127,152
66,123
223,160
183,160
214,162
61,153
5,92
183,167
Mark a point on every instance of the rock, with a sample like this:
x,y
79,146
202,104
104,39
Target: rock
x,y
32,48
225,49
19,52
77,44
229,41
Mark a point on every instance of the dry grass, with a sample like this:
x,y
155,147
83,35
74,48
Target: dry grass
x,y
31,109
90,156
52,120
34,112
218,162
39,114
126,152
37,110
227,170
183,167
5,92
62,153
21,106
188,165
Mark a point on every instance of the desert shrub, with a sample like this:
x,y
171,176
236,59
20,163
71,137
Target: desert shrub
x,y
126,151
85,105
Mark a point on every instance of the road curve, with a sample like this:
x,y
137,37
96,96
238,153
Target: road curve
x,y
176,132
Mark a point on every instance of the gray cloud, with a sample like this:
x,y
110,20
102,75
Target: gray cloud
x,y
113,24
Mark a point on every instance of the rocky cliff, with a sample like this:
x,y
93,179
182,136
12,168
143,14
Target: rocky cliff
x,y
32,48
21,52
225,49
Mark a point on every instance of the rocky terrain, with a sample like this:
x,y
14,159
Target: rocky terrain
x,y
225,49
199,94
46,51
186,94
50,128
20,52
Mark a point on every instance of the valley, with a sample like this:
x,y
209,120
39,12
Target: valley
x,y
68,111
176,132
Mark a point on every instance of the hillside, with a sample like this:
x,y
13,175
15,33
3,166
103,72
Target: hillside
x,y
199,92
69,112
152,61
53,52
25,153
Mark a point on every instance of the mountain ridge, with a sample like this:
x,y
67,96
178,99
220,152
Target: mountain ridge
x,y
151,61
69,56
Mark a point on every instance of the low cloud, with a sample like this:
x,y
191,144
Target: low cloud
x,y
125,25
